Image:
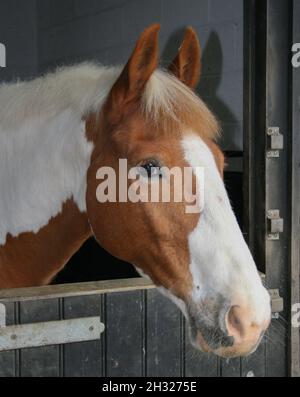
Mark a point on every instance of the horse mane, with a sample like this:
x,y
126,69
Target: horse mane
x,y
172,106
80,88
83,88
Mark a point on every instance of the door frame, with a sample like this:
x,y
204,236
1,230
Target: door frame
x,y
271,99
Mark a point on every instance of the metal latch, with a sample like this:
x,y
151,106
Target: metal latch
x,y
275,143
275,224
48,333
276,302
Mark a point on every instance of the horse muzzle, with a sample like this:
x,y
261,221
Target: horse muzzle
x,y
227,331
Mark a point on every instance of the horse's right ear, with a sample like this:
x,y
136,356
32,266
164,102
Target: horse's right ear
x,y
136,73
187,64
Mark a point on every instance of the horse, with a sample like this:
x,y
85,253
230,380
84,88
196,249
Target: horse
x,y
58,130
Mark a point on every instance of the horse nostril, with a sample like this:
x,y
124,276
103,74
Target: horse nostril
x,y
227,341
234,320
237,322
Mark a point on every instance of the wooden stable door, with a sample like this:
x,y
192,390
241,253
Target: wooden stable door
x,y
122,328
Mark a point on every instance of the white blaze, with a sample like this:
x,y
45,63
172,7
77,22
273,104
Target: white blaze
x,y
221,262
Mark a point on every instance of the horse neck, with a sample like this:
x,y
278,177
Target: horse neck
x,y
44,158
33,259
42,198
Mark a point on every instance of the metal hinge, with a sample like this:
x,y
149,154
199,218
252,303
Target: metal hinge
x,y
275,143
276,302
48,333
275,224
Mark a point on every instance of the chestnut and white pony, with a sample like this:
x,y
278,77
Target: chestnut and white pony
x,y
58,130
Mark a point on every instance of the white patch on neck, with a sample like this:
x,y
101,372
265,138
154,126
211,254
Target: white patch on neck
x,y
221,262
42,164
44,153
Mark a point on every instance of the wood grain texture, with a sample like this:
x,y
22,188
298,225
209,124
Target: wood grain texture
x,y
71,290
163,336
85,358
9,359
125,351
41,361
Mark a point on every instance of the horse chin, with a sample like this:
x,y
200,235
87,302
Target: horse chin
x,y
200,344
235,351
240,350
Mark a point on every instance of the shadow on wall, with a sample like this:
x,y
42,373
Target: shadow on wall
x,y
210,83
212,72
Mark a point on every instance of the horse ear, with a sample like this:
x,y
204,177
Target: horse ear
x,y
187,64
138,69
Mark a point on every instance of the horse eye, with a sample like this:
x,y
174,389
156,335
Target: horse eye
x,y
152,168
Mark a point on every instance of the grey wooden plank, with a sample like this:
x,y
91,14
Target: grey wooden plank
x,y
255,364
230,368
276,350
41,361
163,336
82,359
198,364
77,289
124,334
294,345
8,360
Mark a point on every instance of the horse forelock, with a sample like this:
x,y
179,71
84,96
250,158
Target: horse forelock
x,y
172,106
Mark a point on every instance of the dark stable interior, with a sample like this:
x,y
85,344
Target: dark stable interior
x,y
93,263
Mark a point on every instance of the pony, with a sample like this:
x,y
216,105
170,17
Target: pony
x,y
58,130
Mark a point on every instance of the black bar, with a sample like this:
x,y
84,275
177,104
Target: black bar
x,y
254,127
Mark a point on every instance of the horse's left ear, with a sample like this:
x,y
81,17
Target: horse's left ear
x,y
138,70
187,64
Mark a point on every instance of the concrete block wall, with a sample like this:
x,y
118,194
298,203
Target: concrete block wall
x,y
18,32
40,34
106,30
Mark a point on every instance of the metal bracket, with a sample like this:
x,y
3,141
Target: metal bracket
x,y
48,333
275,224
276,303
275,142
